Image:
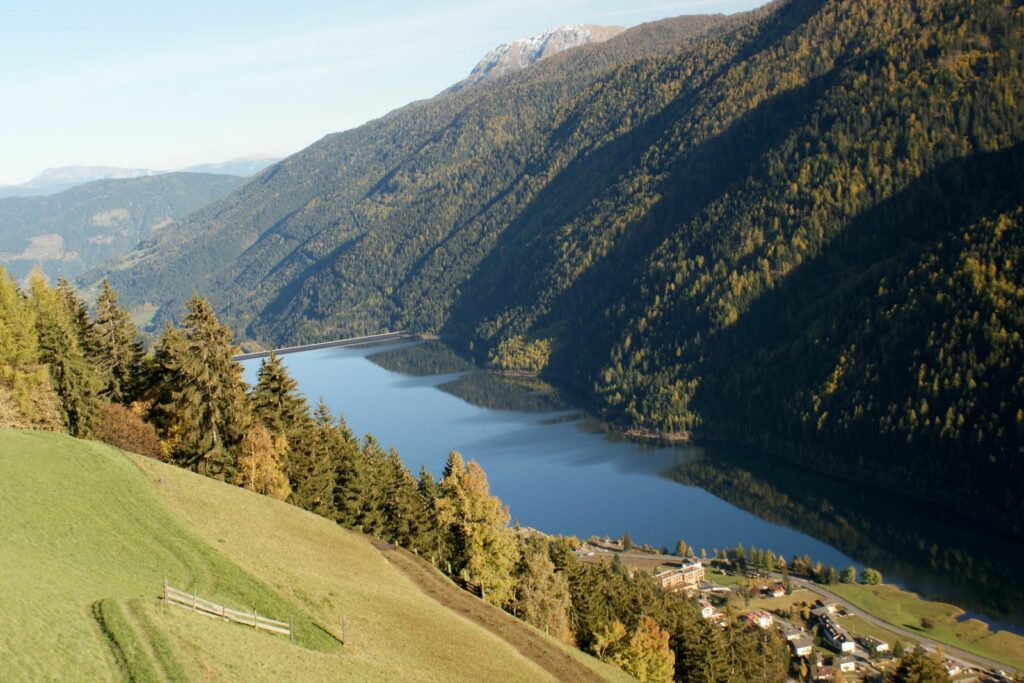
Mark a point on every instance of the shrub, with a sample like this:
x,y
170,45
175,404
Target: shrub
x,y
116,425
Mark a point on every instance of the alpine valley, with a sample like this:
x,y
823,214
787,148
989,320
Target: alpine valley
x,y
798,227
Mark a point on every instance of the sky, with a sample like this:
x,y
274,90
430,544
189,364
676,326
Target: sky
x,y
165,85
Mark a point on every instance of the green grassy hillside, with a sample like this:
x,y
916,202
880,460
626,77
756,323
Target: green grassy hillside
x,y
87,535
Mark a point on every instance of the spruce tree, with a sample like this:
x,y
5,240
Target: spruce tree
x,y
207,413
277,403
705,657
316,472
115,347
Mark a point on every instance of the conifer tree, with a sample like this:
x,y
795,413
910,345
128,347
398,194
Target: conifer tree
x,y
405,510
26,392
277,403
542,594
315,474
115,347
475,524
430,536
259,463
705,658
208,412
918,666
74,380
647,655
360,498
78,311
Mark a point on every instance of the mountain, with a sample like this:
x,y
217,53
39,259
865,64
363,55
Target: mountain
x,y
89,534
67,233
54,180
242,166
509,57
799,227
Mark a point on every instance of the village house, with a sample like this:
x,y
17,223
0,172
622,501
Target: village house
x,y
874,644
759,618
776,590
687,577
707,610
847,664
802,644
836,636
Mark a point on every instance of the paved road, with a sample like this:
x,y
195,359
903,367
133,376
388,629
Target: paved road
x,y
949,650
352,341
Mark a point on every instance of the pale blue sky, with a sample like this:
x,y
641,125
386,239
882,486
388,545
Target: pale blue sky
x,y
166,85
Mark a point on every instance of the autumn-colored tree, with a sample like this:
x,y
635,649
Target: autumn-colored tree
x,y
475,526
27,398
259,463
74,380
647,656
119,426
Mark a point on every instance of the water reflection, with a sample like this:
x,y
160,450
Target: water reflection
x,y
563,473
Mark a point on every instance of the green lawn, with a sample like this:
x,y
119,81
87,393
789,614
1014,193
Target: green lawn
x,y
87,535
907,609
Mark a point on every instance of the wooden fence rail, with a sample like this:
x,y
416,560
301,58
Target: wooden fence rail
x,y
174,596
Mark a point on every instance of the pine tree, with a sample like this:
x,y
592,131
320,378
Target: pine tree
x,y
207,413
705,658
404,509
78,312
115,347
315,474
74,380
359,496
277,403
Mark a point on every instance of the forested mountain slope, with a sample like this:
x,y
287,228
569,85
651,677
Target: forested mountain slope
x,y
70,232
801,227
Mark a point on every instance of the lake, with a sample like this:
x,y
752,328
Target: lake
x,y
564,473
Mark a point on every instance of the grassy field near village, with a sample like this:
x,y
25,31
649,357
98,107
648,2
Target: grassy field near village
x,y
87,535
905,609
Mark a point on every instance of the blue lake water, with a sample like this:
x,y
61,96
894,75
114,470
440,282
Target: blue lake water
x,y
565,474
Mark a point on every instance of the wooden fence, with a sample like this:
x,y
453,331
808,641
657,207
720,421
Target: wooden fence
x,y
474,588
174,596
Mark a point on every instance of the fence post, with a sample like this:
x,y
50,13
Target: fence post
x,y
193,602
254,622
344,631
291,630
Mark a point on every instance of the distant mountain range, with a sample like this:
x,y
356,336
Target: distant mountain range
x,y
519,54
67,233
800,227
54,180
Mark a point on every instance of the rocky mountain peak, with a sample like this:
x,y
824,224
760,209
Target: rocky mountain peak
x,y
522,53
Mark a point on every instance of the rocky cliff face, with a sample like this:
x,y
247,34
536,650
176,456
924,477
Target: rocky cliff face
x,y
522,53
